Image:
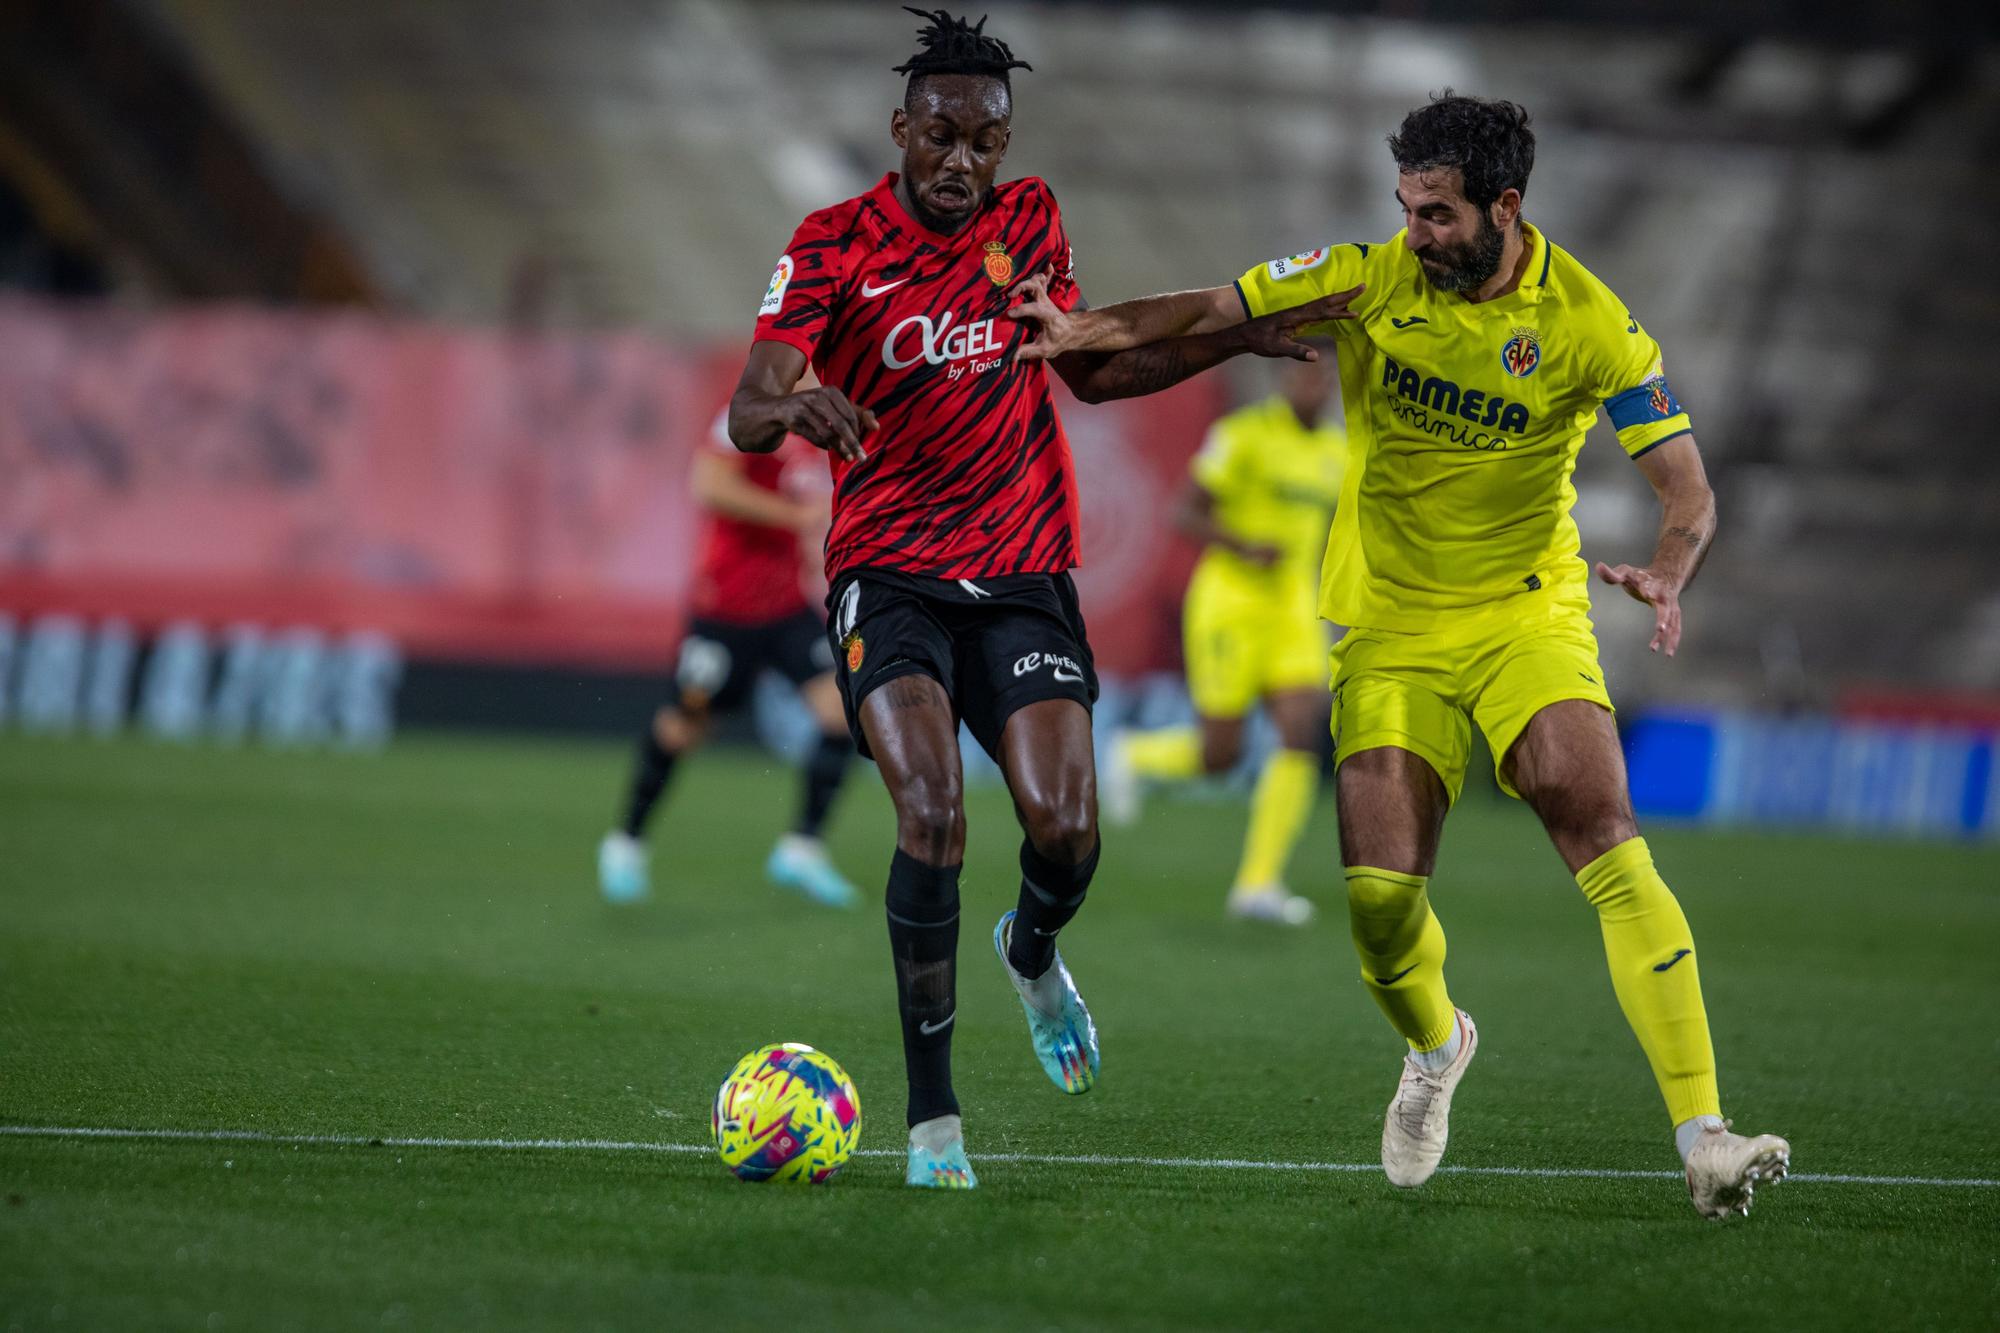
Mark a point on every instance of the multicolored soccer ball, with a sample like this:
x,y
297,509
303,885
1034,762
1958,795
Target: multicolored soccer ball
x,y
786,1112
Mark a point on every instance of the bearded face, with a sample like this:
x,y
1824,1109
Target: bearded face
x,y
1468,265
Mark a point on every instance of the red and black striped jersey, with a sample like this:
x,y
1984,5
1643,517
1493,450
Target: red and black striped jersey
x,y
969,474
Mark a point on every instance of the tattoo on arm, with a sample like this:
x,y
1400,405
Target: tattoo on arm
x,y
1688,535
1144,370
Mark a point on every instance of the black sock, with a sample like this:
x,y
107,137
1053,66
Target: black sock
x,y
825,767
923,936
1050,894
649,779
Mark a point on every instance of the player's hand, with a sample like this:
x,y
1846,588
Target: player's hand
x,y
1057,330
1261,554
824,417
1662,594
1277,334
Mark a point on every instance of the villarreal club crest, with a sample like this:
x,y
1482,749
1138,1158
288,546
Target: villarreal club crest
x,y
1521,354
1658,398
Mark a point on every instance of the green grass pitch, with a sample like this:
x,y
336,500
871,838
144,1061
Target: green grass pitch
x,y
410,946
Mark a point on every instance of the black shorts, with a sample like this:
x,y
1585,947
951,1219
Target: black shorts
x,y
719,662
995,644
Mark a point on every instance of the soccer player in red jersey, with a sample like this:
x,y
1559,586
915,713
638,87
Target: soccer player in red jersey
x,y
750,615
954,530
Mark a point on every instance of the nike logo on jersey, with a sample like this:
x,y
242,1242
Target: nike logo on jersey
x,y
1678,955
1069,677
1390,981
927,1027
870,289
1631,325
1405,323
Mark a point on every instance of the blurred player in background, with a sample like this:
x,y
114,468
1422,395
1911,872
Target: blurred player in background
x,y
750,615
1479,356
1263,490
954,531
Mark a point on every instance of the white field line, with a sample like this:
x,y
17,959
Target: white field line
x,y
1049,1159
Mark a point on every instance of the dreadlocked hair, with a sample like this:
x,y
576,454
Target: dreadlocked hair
x,y
953,46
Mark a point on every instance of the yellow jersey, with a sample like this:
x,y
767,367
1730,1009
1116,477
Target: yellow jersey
x,y
1464,423
1275,482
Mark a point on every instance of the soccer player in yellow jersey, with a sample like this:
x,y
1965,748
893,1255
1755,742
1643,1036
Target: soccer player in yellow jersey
x,y
1478,355
1263,489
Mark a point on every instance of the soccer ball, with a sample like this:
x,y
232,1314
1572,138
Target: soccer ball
x,y
786,1112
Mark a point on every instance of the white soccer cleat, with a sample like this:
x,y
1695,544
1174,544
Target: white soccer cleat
x,y
621,868
1059,1026
1724,1169
1419,1120
1272,903
1119,796
936,1159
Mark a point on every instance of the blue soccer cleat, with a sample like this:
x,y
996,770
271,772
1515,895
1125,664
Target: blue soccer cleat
x,y
1065,1038
937,1157
621,869
801,864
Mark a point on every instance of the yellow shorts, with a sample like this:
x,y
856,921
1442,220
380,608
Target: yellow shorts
x,y
1243,644
1495,666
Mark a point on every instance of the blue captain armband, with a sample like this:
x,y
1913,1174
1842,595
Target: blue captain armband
x,y
1650,403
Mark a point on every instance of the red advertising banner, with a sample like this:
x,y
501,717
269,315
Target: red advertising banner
x,y
475,495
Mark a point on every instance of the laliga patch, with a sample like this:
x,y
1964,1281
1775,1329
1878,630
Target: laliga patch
x,y
1521,353
1293,265
855,650
774,295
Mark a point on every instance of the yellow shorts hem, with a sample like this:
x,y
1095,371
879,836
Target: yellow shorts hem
x,y
1501,745
1450,773
1229,708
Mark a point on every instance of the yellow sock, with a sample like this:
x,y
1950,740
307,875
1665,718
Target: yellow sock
x,y
1170,754
1278,812
1402,952
1651,954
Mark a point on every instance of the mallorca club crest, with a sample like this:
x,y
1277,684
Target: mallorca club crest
x,y
998,263
854,652
1522,353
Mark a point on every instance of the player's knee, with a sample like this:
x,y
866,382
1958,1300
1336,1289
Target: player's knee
x,y
930,819
1064,831
1382,897
1586,828
1219,754
674,730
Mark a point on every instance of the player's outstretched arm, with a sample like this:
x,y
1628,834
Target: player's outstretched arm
x,y
1149,319
1687,527
769,404
1096,377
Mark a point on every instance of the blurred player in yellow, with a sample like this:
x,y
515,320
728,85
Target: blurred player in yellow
x,y
1263,490
1477,356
